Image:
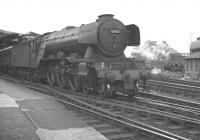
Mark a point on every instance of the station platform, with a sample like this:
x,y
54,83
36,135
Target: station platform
x,y
29,115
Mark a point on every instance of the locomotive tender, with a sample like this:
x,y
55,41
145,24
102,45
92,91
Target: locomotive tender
x,y
86,58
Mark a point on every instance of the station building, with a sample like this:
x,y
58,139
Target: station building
x,y
192,62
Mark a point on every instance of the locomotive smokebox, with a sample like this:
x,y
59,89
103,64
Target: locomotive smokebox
x,y
111,35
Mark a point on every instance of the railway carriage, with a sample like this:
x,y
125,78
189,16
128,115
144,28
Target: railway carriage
x,y
87,58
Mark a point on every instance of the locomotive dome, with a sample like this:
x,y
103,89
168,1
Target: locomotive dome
x,y
111,36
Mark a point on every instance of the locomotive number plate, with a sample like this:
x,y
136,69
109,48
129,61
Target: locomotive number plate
x,y
115,31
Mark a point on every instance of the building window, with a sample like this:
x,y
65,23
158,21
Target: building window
x,y
187,65
191,65
196,65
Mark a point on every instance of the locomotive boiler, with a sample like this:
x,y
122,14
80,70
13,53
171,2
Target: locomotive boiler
x,y
107,36
87,58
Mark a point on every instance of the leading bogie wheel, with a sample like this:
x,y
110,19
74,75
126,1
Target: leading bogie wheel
x,y
105,90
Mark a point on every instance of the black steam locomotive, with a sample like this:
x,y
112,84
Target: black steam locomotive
x,y
86,58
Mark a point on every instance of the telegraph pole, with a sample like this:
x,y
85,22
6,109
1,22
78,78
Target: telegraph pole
x,y
191,36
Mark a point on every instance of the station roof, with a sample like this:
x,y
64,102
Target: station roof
x,y
7,38
195,44
195,55
4,33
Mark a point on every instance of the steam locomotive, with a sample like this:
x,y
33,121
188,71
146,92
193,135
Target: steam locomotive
x,y
86,58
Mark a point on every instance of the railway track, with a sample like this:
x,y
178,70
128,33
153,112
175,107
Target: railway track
x,y
129,114
175,87
138,115
178,81
169,107
164,97
179,89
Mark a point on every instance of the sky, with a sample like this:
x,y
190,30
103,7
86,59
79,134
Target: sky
x,y
175,21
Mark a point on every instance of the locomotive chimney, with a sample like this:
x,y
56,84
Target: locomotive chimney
x,y
104,16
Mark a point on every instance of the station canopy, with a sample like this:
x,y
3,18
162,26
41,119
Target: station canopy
x,y
4,33
10,38
7,38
